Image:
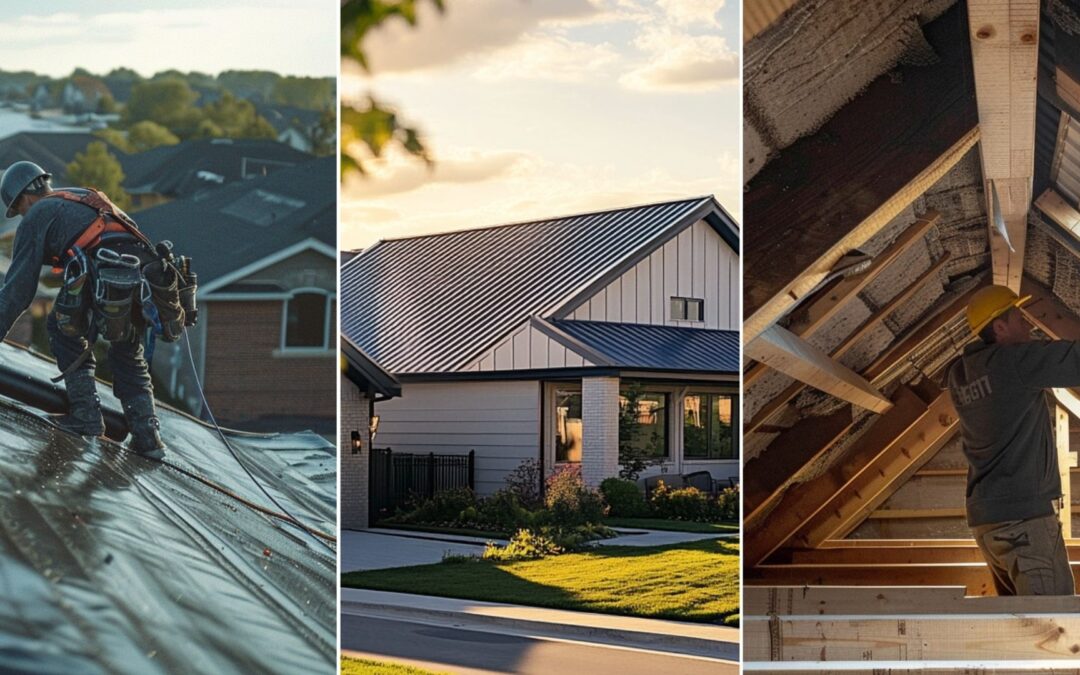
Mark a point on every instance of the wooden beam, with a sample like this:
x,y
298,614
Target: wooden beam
x,y
781,350
923,552
961,638
1066,460
1005,54
780,400
797,446
811,601
1060,211
757,16
830,192
880,477
974,577
1048,313
800,502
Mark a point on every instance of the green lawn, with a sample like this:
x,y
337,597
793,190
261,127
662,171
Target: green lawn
x,y
672,525
697,581
351,666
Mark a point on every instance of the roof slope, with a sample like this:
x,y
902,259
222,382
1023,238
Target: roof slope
x,y
668,348
430,303
113,563
250,219
182,170
52,150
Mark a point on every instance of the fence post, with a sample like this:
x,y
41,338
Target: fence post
x,y
472,470
431,475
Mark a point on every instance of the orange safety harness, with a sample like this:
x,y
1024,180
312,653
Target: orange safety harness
x,y
110,219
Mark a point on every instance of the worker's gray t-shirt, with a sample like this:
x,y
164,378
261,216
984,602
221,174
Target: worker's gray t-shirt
x,y
47,229
1000,392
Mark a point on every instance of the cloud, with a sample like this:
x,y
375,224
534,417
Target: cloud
x,y
700,13
398,173
547,57
468,27
679,61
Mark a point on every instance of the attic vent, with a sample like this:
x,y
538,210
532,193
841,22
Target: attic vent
x,y
260,207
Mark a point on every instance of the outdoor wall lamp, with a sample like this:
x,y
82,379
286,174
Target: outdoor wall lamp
x,y
356,441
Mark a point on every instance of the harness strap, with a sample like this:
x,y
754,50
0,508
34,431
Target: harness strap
x,y
110,219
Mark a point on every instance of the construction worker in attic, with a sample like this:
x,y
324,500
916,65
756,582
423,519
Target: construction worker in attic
x,y
116,283
1000,388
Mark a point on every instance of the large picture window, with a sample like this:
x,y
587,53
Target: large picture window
x,y
643,429
567,426
708,426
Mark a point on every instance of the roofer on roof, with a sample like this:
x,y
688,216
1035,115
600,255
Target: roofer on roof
x,y
111,274
999,386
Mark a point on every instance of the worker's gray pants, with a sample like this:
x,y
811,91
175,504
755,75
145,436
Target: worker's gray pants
x,y
1027,557
130,374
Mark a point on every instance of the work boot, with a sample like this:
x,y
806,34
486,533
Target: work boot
x,y
84,407
143,425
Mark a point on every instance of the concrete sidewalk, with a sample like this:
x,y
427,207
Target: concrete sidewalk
x,y
381,549
710,641
628,537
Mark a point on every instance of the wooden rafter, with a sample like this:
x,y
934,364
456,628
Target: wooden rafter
x,y
1060,211
780,400
821,198
760,14
801,502
888,600
808,318
1005,54
781,350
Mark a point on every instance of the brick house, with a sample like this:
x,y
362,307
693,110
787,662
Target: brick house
x,y
265,251
530,341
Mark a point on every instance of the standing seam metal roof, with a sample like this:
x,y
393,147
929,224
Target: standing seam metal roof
x,y
628,345
432,303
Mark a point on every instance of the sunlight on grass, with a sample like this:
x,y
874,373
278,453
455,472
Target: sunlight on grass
x,y
696,581
350,666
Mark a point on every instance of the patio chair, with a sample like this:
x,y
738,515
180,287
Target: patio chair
x,y
672,480
701,480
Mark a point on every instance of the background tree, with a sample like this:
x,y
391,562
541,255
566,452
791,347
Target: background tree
x,y
169,102
147,135
374,126
233,117
98,168
310,93
323,134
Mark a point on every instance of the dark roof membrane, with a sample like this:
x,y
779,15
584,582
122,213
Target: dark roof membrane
x,y
113,563
669,348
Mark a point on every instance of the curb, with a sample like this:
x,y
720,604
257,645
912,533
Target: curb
x,y
715,642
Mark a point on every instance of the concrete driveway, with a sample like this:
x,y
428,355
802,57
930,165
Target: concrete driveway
x,y
379,549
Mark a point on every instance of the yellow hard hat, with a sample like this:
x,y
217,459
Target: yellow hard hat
x,y
989,303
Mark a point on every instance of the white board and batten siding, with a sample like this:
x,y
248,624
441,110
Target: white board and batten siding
x,y
695,264
499,419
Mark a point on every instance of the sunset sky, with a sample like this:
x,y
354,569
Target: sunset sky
x,y
537,109
149,36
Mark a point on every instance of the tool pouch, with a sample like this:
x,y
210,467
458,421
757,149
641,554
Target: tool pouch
x,y
115,291
164,282
189,285
71,307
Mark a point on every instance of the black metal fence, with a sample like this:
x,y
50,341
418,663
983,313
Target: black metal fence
x,y
397,477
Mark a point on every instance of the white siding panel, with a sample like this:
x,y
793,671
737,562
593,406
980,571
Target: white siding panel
x,y
629,296
614,301
500,420
644,284
504,355
522,349
556,355
686,267
539,350
658,304
715,306
598,307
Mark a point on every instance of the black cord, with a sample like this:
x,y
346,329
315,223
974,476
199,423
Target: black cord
x,y
221,434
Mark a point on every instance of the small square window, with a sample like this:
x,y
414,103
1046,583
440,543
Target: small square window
x,y
678,309
687,309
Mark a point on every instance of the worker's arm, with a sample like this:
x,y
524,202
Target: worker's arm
x,y
1043,365
20,283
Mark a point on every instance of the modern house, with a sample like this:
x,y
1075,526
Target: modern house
x,y
892,134
522,342
265,250
294,126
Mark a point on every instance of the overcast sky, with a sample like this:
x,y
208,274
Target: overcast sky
x,y
54,37
540,108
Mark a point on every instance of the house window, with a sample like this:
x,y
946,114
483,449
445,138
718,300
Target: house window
x,y
687,309
708,426
567,426
307,320
643,428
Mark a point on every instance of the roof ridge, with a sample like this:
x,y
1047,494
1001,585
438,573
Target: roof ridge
x,y
535,221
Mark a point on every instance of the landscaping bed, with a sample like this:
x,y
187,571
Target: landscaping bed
x,y
351,666
696,581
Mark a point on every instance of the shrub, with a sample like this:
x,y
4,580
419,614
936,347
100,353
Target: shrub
x,y
569,501
624,497
445,507
688,503
525,482
503,511
525,545
727,504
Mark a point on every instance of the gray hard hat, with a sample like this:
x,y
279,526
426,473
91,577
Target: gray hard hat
x,y
16,179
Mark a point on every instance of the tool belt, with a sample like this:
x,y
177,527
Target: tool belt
x,y
118,293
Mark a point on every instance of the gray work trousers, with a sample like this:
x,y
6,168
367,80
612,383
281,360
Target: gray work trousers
x,y
1027,557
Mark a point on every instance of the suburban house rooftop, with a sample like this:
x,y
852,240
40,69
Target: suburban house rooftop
x,y
432,303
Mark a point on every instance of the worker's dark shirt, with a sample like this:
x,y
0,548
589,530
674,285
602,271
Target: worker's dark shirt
x,y
1000,392
47,228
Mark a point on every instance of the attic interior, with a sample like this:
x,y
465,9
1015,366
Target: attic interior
x,y
878,138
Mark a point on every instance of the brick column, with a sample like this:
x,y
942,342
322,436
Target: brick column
x,y
353,499
599,428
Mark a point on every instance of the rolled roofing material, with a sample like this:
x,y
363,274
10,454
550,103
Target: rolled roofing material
x,y
113,563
